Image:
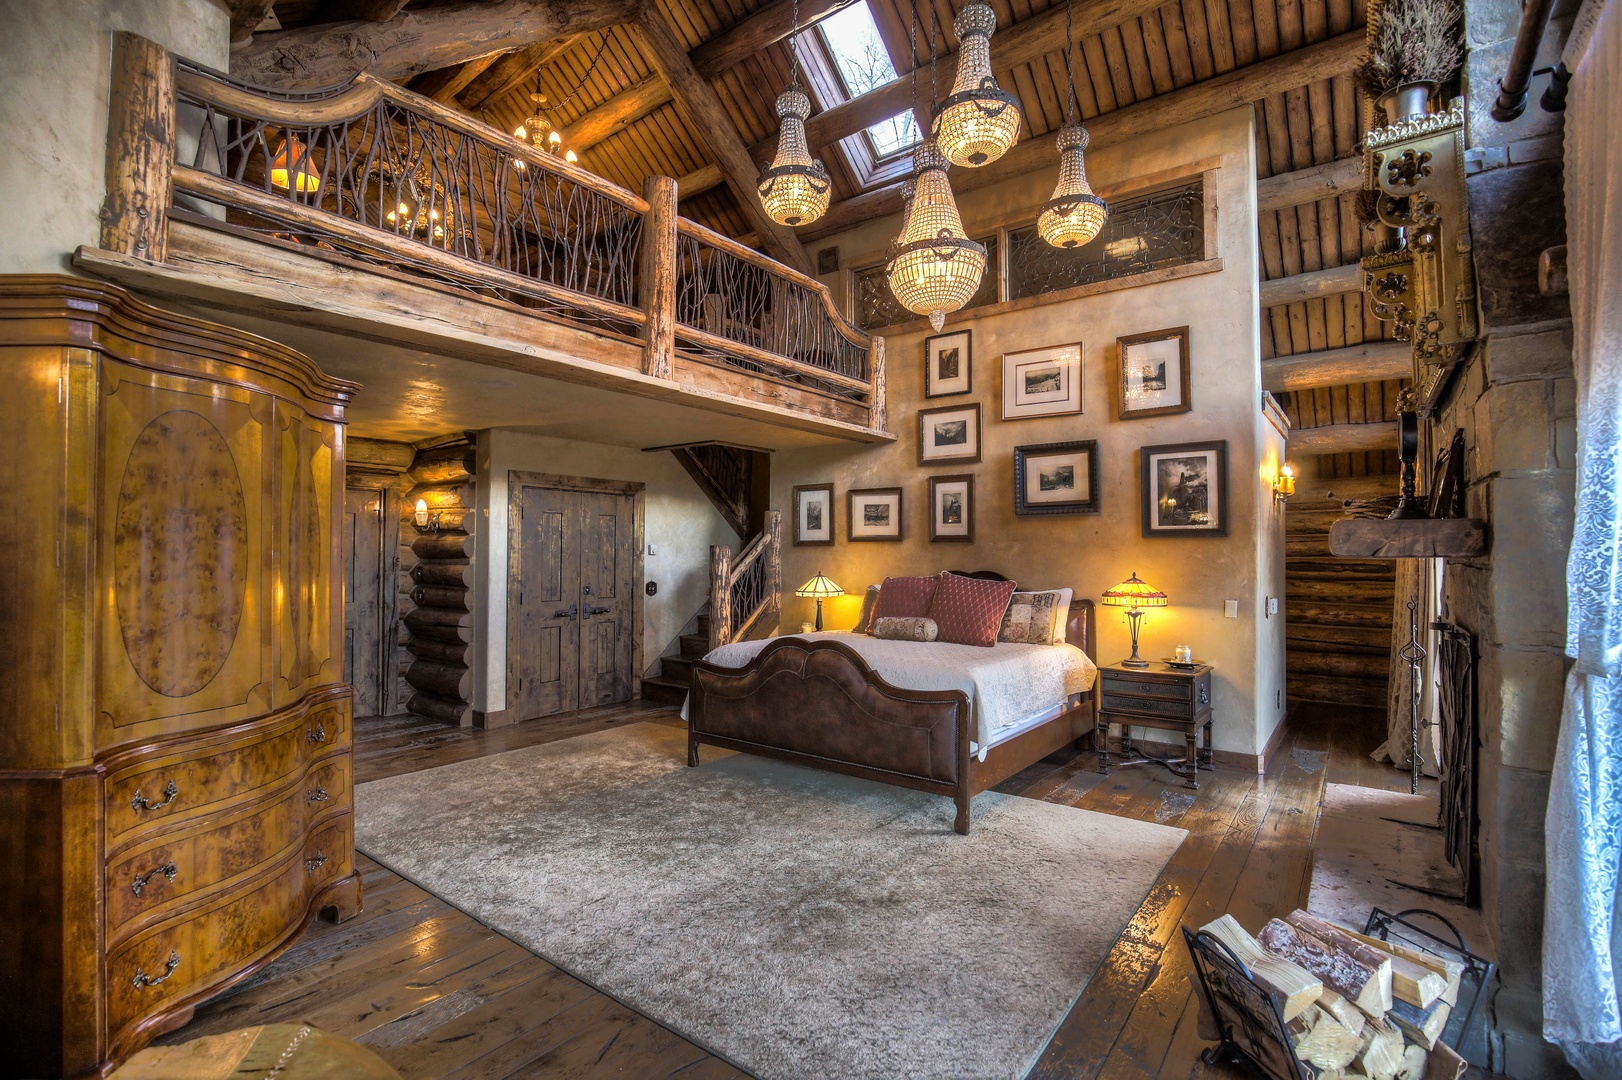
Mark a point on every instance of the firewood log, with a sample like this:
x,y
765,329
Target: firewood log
x,y
1410,982
1450,969
1414,1059
1382,1054
1348,1014
1366,986
1292,987
1421,1026
1323,1041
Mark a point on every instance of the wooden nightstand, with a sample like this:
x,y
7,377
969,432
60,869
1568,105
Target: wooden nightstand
x,y
1158,696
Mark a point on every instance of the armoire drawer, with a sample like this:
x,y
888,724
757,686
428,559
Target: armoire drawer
x,y
326,786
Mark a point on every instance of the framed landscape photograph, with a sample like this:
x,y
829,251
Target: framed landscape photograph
x,y
1154,374
875,514
948,364
949,436
1056,478
951,509
1041,382
813,514
1185,489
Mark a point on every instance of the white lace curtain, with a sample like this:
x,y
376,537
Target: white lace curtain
x,y
1581,939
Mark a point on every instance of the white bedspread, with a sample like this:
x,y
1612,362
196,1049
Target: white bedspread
x,y
1005,683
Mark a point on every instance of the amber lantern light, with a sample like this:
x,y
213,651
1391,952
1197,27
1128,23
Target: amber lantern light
x,y
291,168
1134,594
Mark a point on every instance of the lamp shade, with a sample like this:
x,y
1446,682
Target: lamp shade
x,y
1134,592
290,167
795,189
1074,216
819,587
979,120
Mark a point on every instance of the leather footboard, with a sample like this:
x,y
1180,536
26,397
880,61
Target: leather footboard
x,y
821,700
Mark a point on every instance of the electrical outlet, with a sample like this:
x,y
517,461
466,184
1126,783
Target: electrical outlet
x,y
1278,698
1230,609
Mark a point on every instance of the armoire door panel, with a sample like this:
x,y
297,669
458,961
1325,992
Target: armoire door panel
x,y
183,639
308,615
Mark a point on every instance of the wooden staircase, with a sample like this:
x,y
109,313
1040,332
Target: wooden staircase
x,y
1338,614
670,685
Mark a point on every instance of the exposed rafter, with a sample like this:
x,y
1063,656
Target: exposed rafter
x,y
699,181
246,15
768,26
1344,438
416,41
1288,71
365,10
444,84
514,70
616,114
1313,284
1372,361
1324,181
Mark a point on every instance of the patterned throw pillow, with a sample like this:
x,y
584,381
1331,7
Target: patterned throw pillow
x,y
969,611
905,597
864,621
1033,618
894,629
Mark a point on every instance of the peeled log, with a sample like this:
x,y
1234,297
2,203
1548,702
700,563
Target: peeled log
x,y
442,573
440,596
438,708
420,618
442,545
1366,986
1290,985
452,463
443,496
1417,984
446,652
445,680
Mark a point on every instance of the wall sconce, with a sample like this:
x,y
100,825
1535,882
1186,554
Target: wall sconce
x,y
425,521
1284,484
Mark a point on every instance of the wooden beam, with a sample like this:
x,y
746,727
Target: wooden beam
x,y
513,70
1372,361
769,25
1309,185
699,181
246,15
140,149
1198,101
616,114
445,83
364,10
1344,438
1313,284
696,101
415,41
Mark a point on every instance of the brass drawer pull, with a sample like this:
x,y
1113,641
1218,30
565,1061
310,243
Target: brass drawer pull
x,y
139,884
140,803
317,734
143,979
318,795
312,865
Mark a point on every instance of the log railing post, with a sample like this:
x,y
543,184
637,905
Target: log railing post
x,y
140,149
773,527
878,411
720,595
657,276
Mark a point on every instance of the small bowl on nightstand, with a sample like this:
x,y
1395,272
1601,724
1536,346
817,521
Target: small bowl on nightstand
x,y
1178,665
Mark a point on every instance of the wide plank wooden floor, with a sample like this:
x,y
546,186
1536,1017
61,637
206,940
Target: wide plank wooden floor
x,y
439,995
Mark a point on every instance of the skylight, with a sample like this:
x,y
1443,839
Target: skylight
x,y
864,63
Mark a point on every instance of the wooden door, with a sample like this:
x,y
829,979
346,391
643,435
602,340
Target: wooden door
x,y
607,590
364,655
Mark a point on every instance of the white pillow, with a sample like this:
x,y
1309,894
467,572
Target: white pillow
x,y
1065,596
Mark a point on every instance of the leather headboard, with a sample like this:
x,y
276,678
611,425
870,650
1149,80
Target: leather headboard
x,y
1078,624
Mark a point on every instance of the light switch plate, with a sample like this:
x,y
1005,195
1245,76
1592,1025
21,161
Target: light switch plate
x,y
1230,609
1272,605
653,549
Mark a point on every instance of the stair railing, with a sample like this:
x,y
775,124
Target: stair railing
x,y
746,590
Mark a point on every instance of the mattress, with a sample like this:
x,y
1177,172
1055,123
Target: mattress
x,y
1010,687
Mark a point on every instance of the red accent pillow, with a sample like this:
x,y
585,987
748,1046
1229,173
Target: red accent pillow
x,y
904,598
969,611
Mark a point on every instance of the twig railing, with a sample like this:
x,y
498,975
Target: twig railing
x,y
370,172
747,589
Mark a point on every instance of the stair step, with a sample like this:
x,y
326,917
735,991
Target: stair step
x,y
676,667
694,646
665,690
704,625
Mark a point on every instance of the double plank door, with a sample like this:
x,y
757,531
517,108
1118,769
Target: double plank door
x,y
368,596
572,612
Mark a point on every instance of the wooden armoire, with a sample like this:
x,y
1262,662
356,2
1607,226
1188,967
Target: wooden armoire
x,y
175,755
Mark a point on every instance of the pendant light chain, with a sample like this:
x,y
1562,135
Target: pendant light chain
x,y
1070,60
590,70
794,46
1074,216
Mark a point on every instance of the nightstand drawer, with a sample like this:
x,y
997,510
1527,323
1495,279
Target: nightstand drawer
x,y
1121,703
1117,682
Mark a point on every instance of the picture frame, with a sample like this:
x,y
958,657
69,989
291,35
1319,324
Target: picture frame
x,y
876,514
949,435
951,509
1042,382
1153,374
1056,478
949,364
813,515
1185,489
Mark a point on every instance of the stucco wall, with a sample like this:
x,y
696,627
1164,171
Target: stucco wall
x,y
1092,552
57,59
679,522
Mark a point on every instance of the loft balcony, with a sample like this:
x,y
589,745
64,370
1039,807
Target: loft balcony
x,y
373,212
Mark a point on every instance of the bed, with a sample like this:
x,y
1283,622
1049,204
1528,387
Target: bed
x,y
816,701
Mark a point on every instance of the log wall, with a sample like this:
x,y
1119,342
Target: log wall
x,y
439,570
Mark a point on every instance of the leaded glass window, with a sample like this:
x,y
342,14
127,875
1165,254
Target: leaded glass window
x,y
1147,233
876,305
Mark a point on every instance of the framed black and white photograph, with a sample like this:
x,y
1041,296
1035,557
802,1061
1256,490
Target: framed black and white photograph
x,y
1185,489
1056,478
949,436
813,514
1154,377
875,514
948,364
951,509
1041,382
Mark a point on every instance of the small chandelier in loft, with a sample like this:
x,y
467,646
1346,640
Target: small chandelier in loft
x,y
1074,216
934,268
978,121
795,188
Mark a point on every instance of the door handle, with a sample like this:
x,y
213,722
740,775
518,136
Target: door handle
x,y
568,613
598,610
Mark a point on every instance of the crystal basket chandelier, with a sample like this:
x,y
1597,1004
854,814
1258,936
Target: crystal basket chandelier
x,y
794,189
934,268
1074,216
978,121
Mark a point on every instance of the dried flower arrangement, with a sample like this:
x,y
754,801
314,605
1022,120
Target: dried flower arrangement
x,y
1417,41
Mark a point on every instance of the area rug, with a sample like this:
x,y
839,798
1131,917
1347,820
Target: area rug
x,y
795,922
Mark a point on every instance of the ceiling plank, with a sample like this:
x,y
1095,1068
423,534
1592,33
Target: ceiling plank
x,y
364,10
768,26
246,15
1311,285
1373,361
445,83
616,114
1309,185
513,70
415,41
696,101
1195,102
1344,438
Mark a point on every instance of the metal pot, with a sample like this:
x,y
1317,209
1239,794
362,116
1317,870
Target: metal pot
x,y
1407,101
